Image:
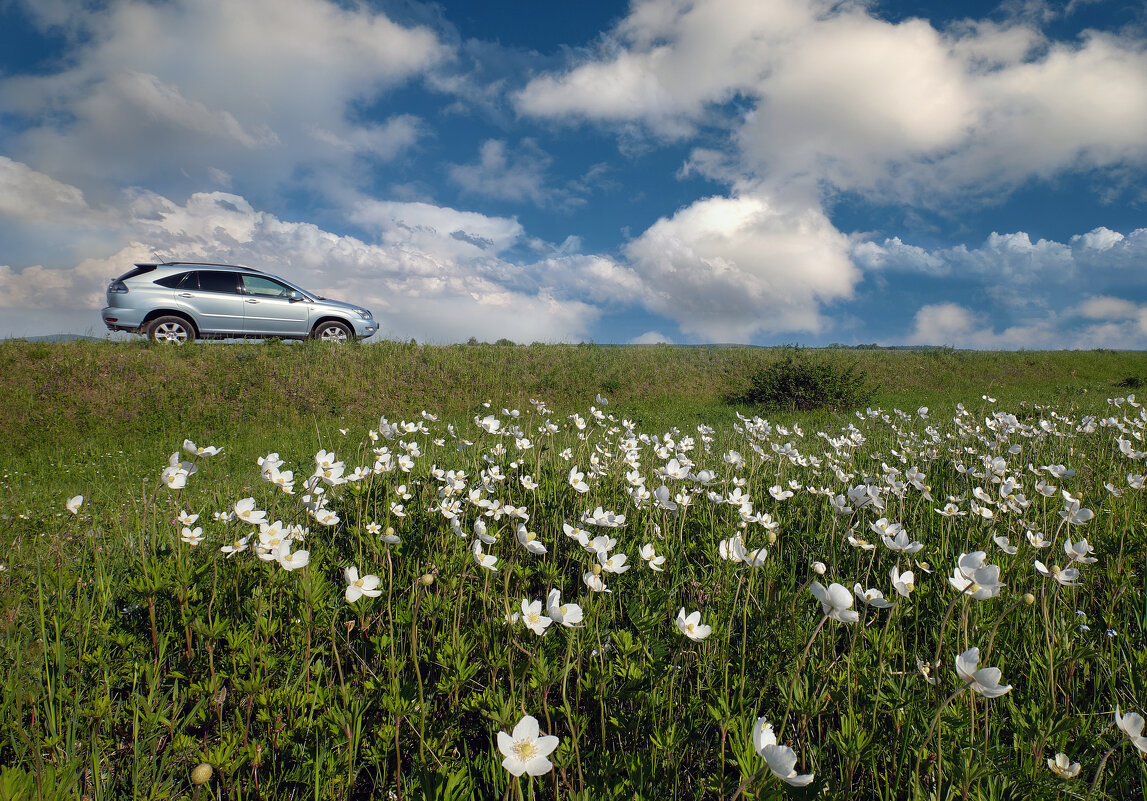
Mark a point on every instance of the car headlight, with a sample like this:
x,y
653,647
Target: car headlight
x,y
363,313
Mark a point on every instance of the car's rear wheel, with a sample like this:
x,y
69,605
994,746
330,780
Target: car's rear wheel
x,y
170,329
333,331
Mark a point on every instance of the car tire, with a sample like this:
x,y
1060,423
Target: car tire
x,y
332,331
171,330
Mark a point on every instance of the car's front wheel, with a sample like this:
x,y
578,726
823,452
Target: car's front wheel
x,y
171,329
332,331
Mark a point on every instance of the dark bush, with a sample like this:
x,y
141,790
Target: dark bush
x,y
1130,382
802,382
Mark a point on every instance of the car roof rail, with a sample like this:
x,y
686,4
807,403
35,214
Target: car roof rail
x,y
209,264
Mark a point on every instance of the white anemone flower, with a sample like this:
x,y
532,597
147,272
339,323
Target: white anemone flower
x,y
1079,551
192,536
358,586
781,759
1066,576
1004,544
533,618
651,558
530,541
901,543
524,750
291,561
871,597
593,580
568,615
836,601
691,626
974,577
614,563
1063,767
904,582
1131,724
485,560
983,681
245,510
73,504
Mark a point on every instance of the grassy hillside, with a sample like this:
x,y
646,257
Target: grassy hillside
x,y
88,408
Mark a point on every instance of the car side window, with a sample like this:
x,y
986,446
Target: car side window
x,y
265,287
218,281
171,281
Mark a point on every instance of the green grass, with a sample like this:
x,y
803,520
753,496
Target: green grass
x,y
130,656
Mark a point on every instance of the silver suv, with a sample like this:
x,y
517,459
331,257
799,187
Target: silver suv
x,y
178,301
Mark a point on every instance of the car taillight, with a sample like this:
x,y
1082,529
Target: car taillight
x,y
118,287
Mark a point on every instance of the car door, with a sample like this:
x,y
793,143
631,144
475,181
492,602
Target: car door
x,y
213,299
274,309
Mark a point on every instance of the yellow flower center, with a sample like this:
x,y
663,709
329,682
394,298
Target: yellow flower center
x,y
525,750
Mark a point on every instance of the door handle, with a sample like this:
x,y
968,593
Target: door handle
x,y
186,295
252,300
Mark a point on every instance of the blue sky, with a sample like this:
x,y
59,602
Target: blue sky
x,y
687,171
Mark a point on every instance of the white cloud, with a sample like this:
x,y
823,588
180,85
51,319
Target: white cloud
x,y
651,338
726,268
161,93
958,326
841,99
33,197
1108,308
501,173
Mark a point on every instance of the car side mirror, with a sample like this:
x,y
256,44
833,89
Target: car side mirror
x,y
294,297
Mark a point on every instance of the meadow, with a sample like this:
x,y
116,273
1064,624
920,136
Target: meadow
x,y
577,572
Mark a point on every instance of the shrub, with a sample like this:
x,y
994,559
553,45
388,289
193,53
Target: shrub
x,y
802,382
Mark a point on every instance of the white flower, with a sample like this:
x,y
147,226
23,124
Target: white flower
x,y
358,586
530,541
781,759
1131,724
191,536
483,559
904,582
593,580
612,564
1004,544
1063,767
651,558
1068,576
836,601
1079,551
533,618
291,561
984,681
973,577
568,615
73,504
245,510
691,625
524,751
872,597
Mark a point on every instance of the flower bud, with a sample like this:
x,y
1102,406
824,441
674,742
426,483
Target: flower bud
x,y
1028,598
426,579
772,538
596,569
201,774
819,568
389,531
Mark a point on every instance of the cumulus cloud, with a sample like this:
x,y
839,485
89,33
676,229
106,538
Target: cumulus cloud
x,y
838,98
727,268
33,197
651,338
508,175
145,99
